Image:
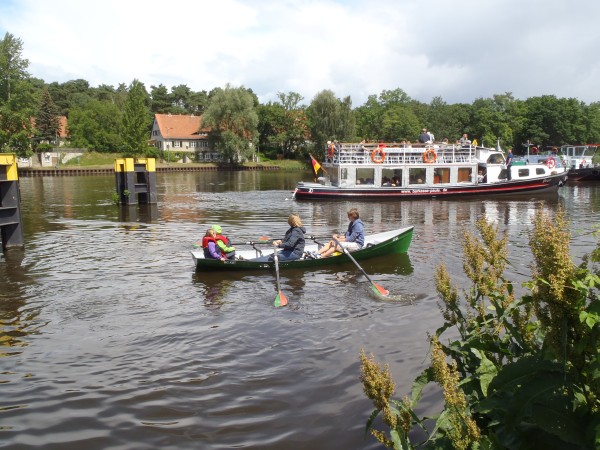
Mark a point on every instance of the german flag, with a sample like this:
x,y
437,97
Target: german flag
x,y
315,164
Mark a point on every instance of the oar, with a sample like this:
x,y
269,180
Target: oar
x,y
281,299
379,290
263,240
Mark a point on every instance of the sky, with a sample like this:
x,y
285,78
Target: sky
x,y
459,50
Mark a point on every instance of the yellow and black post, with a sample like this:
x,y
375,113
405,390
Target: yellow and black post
x,y
11,227
136,177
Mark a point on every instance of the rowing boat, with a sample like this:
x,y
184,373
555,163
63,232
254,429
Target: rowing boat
x,y
378,244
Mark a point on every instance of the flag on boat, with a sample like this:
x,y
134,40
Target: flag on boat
x,y
315,164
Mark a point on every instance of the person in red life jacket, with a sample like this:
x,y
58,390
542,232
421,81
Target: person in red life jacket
x,y
209,244
223,243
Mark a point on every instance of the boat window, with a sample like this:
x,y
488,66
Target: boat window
x,y
465,174
441,175
391,177
416,175
524,172
365,176
496,158
539,171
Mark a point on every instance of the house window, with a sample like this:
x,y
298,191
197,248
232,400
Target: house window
x,y
177,144
193,144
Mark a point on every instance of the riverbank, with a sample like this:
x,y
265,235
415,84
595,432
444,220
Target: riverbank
x,y
162,167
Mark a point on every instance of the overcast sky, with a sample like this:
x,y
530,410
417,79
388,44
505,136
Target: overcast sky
x,y
459,50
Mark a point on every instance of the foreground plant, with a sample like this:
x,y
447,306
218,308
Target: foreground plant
x,y
523,373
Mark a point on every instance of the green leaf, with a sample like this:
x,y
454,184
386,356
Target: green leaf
x,y
420,382
486,371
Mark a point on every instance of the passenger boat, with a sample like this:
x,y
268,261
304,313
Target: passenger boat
x,y
426,170
379,244
578,158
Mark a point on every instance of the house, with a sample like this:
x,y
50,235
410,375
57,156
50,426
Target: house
x,y
51,157
182,134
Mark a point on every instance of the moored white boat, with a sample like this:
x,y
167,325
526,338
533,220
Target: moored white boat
x,y
579,160
427,170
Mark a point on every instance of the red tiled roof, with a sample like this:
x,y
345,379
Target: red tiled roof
x,y
179,126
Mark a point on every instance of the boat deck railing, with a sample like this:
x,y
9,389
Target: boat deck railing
x,y
405,154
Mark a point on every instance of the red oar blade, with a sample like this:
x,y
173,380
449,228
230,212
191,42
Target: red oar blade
x,y
380,290
280,300
264,238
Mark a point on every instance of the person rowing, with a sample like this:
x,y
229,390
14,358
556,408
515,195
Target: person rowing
x,y
292,244
354,239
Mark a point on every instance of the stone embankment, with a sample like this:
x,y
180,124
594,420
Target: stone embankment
x,y
73,171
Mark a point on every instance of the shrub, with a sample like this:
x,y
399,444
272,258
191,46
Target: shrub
x,y
523,373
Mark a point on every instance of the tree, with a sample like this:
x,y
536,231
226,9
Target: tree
x,y
47,120
330,118
136,122
232,118
96,126
399,123
180,96
15,132
161,99
13,67
290,129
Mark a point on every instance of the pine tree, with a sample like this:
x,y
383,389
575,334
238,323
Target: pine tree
x,y
47,121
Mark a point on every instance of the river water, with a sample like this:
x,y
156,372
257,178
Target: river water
x,y
110,340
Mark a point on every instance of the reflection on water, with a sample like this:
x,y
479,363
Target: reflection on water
x,y
111,340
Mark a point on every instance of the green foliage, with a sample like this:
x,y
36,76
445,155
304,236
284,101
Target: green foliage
x,y
96,127
331,118
136,120
231,114
13,67
283,126
15,131
47,121
520,373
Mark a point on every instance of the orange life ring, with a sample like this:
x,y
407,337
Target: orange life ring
x,y
551,162
378,155
429,157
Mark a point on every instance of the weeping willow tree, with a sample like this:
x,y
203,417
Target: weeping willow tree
x,y
231,115
330,118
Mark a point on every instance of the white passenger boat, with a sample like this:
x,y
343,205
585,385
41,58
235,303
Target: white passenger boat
x,y
427,170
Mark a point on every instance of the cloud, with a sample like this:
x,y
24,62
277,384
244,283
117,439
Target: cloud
x,y
459,50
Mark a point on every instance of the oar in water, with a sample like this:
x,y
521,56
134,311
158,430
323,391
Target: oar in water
x,y
281,299
379,290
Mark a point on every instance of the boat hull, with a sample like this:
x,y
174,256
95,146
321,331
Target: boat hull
x,y
316,191
396,241
587,174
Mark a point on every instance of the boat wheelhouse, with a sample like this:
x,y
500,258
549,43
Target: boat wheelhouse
x,y
579,160
426,170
